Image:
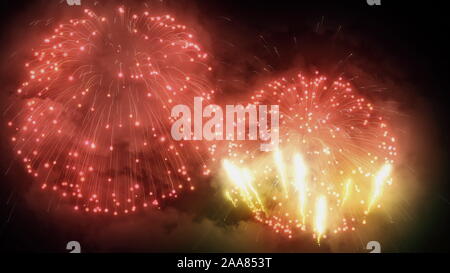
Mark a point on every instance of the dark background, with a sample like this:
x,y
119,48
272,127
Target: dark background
x,y
400,42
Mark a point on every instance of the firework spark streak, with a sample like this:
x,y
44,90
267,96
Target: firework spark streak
x,y
92,121
335,158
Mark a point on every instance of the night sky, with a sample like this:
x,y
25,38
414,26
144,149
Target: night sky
x,y
399,51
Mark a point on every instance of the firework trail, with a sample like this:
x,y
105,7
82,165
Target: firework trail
x,y
92,118
333,163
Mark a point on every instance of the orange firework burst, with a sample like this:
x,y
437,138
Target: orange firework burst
x,y
93,117
333,162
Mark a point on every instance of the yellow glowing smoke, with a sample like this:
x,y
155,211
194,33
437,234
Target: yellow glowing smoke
x,y
229,197
300,173
320,221
347,191
281,170
379,180
242,179
310,202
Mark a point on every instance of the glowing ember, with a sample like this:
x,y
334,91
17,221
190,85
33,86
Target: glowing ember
x,y
335,157
93,117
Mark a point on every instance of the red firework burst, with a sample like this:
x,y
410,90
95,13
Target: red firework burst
x,y
334,159
93,118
